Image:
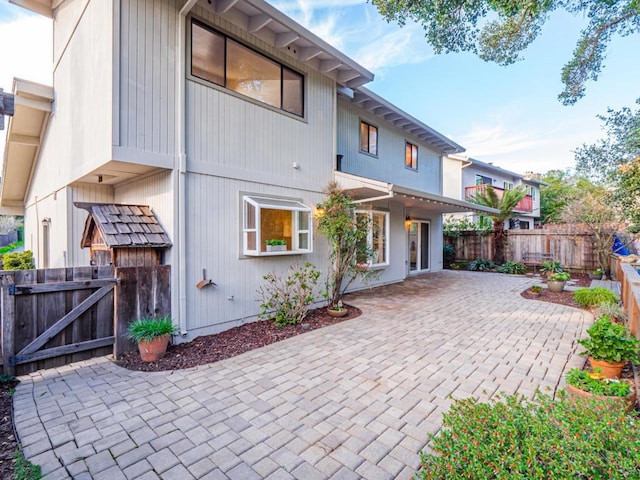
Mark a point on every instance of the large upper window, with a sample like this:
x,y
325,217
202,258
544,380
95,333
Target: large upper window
x,y
482,180
508,185
377,237
411,156
531,191
275,227
368,138
219,59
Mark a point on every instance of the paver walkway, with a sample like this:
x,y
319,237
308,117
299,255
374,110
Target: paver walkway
x,y
354,400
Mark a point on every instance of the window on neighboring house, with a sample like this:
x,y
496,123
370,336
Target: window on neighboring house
x,y
482,180
531,191
219,59
368,138
273,221
411,156
377,238
508,186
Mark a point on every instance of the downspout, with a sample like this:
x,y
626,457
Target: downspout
x,y
180,167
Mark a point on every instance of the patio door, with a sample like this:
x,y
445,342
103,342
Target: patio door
x,y
418,247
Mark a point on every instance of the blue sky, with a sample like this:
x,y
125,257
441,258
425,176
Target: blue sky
x,y
506,115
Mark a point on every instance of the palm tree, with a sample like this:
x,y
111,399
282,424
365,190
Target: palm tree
x,y
505,203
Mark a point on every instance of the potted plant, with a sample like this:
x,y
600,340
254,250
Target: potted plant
x,y
276,245
596,274
152,336
609,346
337,310
584,384
557,281
549,267
533,292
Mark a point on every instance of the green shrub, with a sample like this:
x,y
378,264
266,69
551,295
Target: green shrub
x,y
551,266
8,248
287,299
516,438
512,268
481,265
18,261
610,342
559,277
536,289
587,297
449,252
150,328
594,383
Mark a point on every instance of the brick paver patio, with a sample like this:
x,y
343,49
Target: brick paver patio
x,y
354,400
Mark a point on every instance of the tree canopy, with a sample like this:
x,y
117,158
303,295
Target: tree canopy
x,y
499,30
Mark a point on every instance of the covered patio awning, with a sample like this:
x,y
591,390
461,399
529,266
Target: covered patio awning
x,y
364,190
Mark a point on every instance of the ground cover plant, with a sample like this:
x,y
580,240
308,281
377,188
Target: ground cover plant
x,y
512,268
589,297
11,246
595,383
18,261
481,265
513,437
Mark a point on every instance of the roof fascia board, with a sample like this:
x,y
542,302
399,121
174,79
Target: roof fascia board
x,y
42,7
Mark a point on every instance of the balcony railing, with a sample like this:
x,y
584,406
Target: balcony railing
x,y
524,205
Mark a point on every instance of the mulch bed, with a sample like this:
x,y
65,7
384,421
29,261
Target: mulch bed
x,y
232,342
8,444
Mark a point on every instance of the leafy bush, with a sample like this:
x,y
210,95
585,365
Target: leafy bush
x,y
587,297
610,342
512,268
150,328
449,252
551,266
481,265
18,261
560,277
452,226
513,437
287,299
596,384
536,289
11,246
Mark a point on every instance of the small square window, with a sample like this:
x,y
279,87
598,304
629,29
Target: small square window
x,y
275,226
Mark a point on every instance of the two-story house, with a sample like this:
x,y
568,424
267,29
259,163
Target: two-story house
x,y
227,119
467,176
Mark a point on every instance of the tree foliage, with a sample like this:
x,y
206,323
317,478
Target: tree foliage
x,y
554,196
505,203
499,30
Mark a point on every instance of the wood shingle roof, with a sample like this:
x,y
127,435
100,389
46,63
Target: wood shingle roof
x,y
128,226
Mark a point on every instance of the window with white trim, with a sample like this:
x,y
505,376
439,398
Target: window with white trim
x,y
272,226
531,191
377,237
508,185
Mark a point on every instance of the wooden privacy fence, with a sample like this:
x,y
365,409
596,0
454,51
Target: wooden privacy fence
x,y
629,280
57,316
573,250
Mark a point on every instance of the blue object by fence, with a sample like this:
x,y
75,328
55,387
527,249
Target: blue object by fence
x,y
618,247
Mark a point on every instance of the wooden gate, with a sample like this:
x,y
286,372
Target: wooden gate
x,y
56,316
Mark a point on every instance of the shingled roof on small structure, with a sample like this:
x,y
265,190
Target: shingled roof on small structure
x,y
123,226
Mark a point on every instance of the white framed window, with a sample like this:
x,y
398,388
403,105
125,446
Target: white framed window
x,y
531,191
273,226
508,186
377,237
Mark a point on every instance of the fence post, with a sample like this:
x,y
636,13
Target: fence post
x,y
8,323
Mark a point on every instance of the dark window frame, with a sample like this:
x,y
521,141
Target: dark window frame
x,y
369,126
407,145
226,37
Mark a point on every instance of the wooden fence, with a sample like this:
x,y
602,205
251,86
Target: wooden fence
x,y
629,280
57,316
573,250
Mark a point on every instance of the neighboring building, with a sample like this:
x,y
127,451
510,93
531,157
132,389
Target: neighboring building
x,y
467,176
227,119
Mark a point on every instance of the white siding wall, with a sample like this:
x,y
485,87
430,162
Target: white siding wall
x,y
78,137
389,165
452,185
147,38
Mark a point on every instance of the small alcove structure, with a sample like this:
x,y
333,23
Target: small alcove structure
x,y
123,235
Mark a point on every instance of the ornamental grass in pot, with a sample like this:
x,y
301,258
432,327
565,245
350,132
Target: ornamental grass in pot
x,y
608,346
152,336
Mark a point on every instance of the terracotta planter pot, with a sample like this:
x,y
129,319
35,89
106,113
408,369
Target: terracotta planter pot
x,y
337,313
531,295
555,286
609,370
628,402
153,350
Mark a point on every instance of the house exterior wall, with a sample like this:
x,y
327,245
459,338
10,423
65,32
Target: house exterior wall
x,y
452,183
389,164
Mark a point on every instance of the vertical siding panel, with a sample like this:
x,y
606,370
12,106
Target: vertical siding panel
x,y
125,41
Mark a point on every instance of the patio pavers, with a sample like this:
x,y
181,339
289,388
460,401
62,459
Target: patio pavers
x,y
354,400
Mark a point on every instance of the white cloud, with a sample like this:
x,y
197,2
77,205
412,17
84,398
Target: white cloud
x,y
26,52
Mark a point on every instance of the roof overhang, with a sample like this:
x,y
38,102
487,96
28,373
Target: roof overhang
x,y
367,191
275,28
42,7
24,137
378,106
